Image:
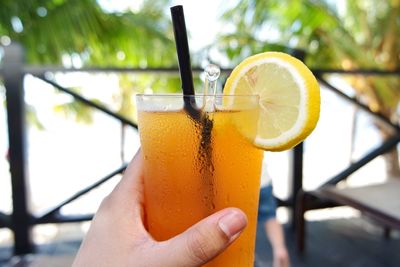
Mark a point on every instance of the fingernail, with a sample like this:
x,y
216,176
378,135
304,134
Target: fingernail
x,y
232,223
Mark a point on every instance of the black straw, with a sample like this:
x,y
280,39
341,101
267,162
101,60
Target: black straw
x,y
182,48
202,119
185,69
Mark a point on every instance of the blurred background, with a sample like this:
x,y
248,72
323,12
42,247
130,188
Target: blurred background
x,y
78,61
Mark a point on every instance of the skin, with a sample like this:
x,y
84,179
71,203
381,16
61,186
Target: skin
x,y
117,236
276,237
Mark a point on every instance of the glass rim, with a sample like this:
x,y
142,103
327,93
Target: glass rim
x,y
198,95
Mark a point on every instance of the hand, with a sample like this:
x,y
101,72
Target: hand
x,y
117,236
281,258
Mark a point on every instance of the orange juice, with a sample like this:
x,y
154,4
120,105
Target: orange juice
x,y
188,176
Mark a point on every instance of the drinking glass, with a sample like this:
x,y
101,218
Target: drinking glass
x,y
199,158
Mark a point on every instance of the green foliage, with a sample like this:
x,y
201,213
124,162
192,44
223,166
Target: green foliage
x,y
53,29
32,118
346,34
76,110
65,31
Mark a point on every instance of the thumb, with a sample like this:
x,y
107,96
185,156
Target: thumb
x,y
206,239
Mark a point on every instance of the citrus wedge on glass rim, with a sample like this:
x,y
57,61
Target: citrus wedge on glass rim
x,y
289,98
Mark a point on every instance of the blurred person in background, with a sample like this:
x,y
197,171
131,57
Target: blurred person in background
x,y
267,216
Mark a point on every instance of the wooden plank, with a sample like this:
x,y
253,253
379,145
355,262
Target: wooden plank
x,y
380,201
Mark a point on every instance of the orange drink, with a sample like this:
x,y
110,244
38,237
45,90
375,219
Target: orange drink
x,y
195,167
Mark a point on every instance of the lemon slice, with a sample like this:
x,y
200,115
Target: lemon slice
x,y
289,97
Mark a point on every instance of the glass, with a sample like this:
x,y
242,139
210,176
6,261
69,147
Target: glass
x,y
194,166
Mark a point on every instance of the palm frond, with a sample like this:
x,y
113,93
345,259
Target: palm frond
x,y
83,29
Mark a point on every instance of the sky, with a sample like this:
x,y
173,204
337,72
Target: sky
x,y
201,20
200,17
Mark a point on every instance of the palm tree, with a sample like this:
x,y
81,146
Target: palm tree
x,y
353,34
65,31
52,29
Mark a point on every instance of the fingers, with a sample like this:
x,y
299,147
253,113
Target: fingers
x,y
117,225
133,175
131,185
205,240
126,200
